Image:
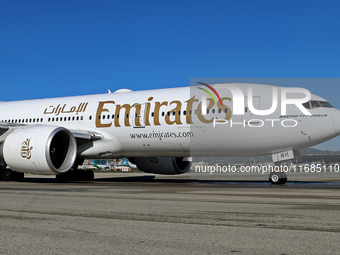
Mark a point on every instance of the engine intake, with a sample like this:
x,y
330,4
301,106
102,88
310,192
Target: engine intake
x,y
163,165
40,150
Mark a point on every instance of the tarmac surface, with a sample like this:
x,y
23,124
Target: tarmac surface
x,y
143,214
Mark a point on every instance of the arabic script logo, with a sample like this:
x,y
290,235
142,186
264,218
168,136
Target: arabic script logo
x,y
26,149
209,93
61,109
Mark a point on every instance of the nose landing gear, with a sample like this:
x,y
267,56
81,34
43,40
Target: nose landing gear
x,y
278,177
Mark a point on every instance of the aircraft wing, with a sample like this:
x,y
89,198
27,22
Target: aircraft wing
x,y
5,125
79,134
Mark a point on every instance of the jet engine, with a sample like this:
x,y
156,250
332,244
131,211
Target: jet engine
x,y
163,165
40,150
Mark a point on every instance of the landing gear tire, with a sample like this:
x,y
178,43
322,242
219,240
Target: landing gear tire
x,y
64,177
277,178
7,175
18,177
76,175
89,175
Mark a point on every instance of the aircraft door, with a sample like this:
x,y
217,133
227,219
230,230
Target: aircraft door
x,y
137,116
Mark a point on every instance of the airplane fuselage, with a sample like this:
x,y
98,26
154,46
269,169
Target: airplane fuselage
x,y
174,122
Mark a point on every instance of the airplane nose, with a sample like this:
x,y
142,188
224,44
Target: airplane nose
x,y
336,120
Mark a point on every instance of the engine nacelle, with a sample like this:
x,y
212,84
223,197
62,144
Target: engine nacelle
x,y
163,165
40,150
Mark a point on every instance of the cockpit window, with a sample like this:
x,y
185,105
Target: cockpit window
x,y
306,105
325,104
315,104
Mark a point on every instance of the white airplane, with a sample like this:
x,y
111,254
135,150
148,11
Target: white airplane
x,y
161,130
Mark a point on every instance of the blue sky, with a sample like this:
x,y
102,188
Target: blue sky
x,y
64,48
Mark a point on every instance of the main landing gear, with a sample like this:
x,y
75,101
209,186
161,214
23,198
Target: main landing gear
x,y
10,175
278,177
7,174
76,175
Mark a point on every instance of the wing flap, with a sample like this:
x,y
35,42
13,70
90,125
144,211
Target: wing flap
x,y
86,135
3,126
